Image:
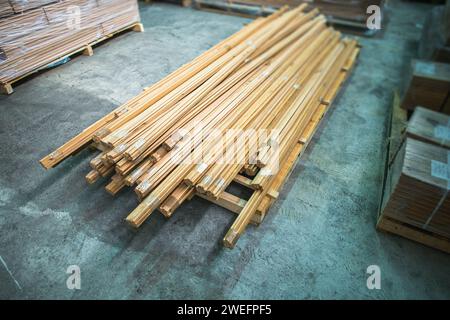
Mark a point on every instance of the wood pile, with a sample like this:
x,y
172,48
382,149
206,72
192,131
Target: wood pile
x,y
430,126
428,85
343,13
182,136
416,200
39,32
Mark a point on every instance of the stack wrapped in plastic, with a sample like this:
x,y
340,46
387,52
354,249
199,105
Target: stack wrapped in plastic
x,y
35,33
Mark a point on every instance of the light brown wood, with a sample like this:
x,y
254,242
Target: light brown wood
x,y
279,74
88,51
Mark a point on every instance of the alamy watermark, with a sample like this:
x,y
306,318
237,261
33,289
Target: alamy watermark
x,y
373,22
205,146
374,279
73,282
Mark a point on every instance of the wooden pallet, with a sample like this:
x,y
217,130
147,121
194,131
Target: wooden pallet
x,y
86,50
424,237
236,204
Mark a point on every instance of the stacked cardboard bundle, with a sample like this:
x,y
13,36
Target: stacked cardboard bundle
x,y
415,200
430,126
428,85
37,35
265,84
418,182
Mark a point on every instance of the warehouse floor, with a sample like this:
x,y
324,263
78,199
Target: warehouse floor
x,y
316,242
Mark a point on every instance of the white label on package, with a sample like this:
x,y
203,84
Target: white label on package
x,y
442,132
440,170
426,68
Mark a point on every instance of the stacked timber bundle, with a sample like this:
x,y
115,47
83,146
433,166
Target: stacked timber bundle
x,y
344,13
416,201
37,33
269,83
430,126
428,85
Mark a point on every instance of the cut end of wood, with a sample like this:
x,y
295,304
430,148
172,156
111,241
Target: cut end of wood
x,y
139,27
88,51
132,223
168,144
137,217
230,239
50,161
188,182
257,185
92,176
165,210
43,163
273,194
7,88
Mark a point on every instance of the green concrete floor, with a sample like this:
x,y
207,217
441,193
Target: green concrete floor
x,y
317,241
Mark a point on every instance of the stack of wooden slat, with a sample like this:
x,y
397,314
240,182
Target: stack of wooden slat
x,y
415,185
428,85
276,76
416,196
40,34
340,12
430,126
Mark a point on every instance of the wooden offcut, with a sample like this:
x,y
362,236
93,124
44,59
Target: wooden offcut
x,y
430,126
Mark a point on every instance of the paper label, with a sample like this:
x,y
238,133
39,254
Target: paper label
x,y
426,68
442,132
441,170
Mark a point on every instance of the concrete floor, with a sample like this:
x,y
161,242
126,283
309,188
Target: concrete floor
x,y
316,242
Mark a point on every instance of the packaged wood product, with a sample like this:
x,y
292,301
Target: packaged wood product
x,y
428,85
430,126
20,6
273,81
416,197
42,34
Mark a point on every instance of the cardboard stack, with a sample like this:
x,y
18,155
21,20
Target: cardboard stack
x,y
415,201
